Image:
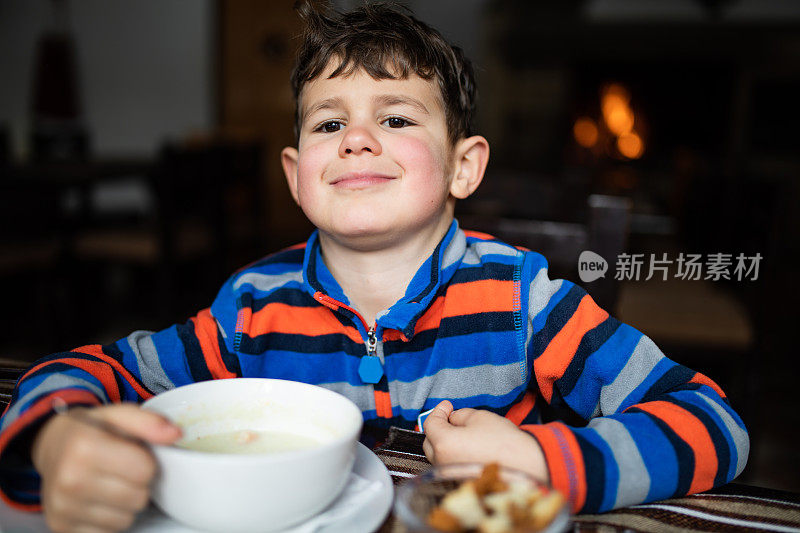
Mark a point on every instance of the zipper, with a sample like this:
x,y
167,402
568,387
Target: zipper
x,y
372,342
370,368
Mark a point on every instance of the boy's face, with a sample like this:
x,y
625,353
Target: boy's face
x,y
374,162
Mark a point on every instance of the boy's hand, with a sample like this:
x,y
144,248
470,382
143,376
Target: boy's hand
x,y
93,480
473,435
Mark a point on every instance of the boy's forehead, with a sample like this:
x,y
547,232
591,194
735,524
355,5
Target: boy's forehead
x,y
361,88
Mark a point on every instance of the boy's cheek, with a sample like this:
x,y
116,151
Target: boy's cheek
x,y
418,156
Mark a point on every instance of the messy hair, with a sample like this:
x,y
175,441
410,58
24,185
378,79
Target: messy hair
x,y
386,42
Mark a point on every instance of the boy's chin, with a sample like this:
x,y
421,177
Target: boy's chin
x,y
362,237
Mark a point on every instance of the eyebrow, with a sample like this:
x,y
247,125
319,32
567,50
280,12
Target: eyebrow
x,y
385,100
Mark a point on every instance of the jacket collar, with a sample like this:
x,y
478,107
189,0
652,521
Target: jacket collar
x,y
434,273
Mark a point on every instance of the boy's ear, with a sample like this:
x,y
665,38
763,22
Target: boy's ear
x,y
470,158
289,158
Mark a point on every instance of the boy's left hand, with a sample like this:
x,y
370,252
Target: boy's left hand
x,y
474,435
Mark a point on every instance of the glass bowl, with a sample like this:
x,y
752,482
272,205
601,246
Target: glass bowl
x,y
416,497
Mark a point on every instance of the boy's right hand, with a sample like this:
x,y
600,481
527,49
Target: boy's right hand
x,y
93,480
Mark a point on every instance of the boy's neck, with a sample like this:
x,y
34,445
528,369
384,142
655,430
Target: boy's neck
x,y
374,279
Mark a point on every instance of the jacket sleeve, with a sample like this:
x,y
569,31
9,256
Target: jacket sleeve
x,y
130,370
639,426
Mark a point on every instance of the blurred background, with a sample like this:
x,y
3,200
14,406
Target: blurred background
x,y
139,167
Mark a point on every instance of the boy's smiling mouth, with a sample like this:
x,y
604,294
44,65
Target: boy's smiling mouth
x,y
360,180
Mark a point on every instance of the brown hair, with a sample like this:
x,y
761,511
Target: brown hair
x,y
387,42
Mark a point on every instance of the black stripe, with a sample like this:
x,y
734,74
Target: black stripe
x,y
496,271
311,273
290,296
382,384
295,342
682,450
717,437
419,342
434,275
558,317
194,355
453,327
590,343
593,462
673,379
477,322
115,353
230,360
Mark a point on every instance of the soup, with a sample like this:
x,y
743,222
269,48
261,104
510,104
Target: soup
x,y
246,441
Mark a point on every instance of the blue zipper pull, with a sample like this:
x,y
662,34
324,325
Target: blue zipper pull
x,y
370,369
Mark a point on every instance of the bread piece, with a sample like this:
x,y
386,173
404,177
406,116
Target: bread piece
x,y
464,504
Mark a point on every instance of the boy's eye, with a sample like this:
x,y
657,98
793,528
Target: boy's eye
x,y
396,122
331,126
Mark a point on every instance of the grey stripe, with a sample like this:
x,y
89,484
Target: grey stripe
x,y
739,435
455,250
153,376
267,282
644,358
454,383
476,251
51,383
634,480
361,395
221,329
540,291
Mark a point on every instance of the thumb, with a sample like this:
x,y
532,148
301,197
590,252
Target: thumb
x,y
438,417
147,425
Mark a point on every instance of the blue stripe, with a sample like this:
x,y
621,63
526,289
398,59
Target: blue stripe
x,y
636,395
601,368
602,472
308,368
656,451
541,317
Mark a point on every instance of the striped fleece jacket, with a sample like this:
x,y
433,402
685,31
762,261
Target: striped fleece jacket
x,y
481,325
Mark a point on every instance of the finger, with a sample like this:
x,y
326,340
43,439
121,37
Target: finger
x,y
128,461
93,518
148,425
438,417
427,447
117,492
461,417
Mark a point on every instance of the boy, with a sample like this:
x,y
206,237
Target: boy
x,y
391,304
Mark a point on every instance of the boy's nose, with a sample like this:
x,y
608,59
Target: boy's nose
x,y
357,140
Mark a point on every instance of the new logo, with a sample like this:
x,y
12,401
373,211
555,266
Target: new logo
x,y
591,266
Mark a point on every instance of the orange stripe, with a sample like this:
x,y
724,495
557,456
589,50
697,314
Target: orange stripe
x,y
521,409
97,351
39,408
482,296
703,380
555,359
478,234
205,329
694,433
431,318
97,369
383,404
564,460
283,318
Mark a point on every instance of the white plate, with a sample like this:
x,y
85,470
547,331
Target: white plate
x,y
367,518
